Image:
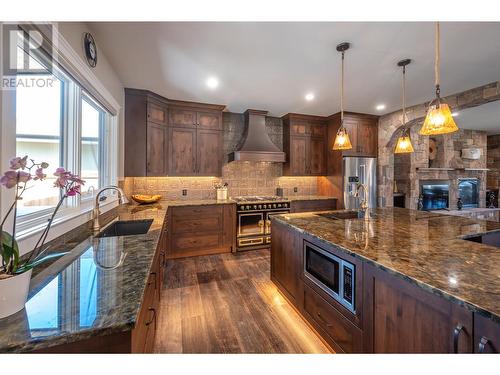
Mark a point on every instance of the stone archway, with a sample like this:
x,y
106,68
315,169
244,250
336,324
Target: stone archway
x,y
389,129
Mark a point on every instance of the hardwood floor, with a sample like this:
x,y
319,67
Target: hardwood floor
x,y
227,304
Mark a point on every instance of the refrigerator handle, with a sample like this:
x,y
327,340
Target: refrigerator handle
x,y
362,173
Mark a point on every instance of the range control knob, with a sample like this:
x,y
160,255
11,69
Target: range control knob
x,y
254,206
260,207
247,207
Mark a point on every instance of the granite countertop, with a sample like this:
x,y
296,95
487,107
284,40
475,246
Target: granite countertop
x,y
76,297
428,249
308,197
466,211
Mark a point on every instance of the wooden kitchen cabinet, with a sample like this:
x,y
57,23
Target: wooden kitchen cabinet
x,y
182,152
486,335
297,156
209,152
195,152
287,262
304,142
156,149
313,205
362,130
166,137
201,230
403,318
157,112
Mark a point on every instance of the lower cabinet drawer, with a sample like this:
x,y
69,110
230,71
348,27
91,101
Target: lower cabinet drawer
x,y
197,225
188,243
196,211
340,333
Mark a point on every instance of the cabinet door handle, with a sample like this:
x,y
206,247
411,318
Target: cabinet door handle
x,y
456,335
482,344
153,318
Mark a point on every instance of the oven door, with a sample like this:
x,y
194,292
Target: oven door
x,y
251,224
268,219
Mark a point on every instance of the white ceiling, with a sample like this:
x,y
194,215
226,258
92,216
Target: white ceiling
x,y
271,66
484,117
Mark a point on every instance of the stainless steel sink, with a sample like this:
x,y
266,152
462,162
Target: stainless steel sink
x,y
346,215
126,228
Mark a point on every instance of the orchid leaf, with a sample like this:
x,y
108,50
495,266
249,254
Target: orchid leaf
x,y
10,253
43,260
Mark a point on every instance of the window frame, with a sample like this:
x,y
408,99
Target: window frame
x,y
101,139
72,93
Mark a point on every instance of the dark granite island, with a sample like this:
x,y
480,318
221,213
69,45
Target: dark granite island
x,y
414,281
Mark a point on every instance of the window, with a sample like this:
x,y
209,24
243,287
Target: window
x,y
90,155
39,135
58,122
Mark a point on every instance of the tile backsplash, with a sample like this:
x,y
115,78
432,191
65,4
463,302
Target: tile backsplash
x,y
243,178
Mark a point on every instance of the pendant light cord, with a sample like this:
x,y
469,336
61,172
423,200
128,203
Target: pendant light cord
x,y
404,96
342,91
437,61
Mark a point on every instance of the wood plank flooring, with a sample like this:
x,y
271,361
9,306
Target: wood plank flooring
x,y
227,304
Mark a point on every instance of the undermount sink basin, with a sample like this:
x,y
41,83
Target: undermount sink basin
x,y
346,215
492,239
126,228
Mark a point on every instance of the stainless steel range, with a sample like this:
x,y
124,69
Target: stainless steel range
x,y
253,220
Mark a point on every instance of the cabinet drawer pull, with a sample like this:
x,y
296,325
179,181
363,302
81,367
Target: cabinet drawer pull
x,y
153,318
482,344
456,335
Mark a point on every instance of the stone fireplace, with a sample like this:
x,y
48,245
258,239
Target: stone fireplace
x,y
448,163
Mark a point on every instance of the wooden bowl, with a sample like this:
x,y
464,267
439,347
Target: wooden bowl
x,y
146,199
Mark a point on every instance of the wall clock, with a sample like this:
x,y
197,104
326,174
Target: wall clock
x,y
90,49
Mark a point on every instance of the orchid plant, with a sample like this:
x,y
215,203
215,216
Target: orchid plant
x,y
22,173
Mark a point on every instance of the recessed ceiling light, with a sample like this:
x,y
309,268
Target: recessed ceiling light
x,y
380,107
212,82
309,96
455,114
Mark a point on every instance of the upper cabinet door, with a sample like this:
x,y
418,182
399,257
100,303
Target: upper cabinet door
x,y
209,120
317,152
367,138
157,113
351,126
299,155
182,117
299,127
317,129
156,150
182,152
209,148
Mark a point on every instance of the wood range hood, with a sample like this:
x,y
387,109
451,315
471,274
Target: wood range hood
x,y
256,144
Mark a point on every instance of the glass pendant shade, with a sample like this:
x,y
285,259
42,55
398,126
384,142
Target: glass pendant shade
x,y
404,144
342,141
438,120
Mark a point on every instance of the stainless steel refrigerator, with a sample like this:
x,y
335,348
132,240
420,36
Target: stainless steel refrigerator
x,y
366,171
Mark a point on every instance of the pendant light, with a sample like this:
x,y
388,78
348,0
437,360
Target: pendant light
x,y
342,141
404,142
439,119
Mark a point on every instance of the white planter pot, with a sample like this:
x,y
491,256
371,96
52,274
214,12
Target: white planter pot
x,y
13,293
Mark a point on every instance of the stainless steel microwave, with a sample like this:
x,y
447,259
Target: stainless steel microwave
x,y
332,274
